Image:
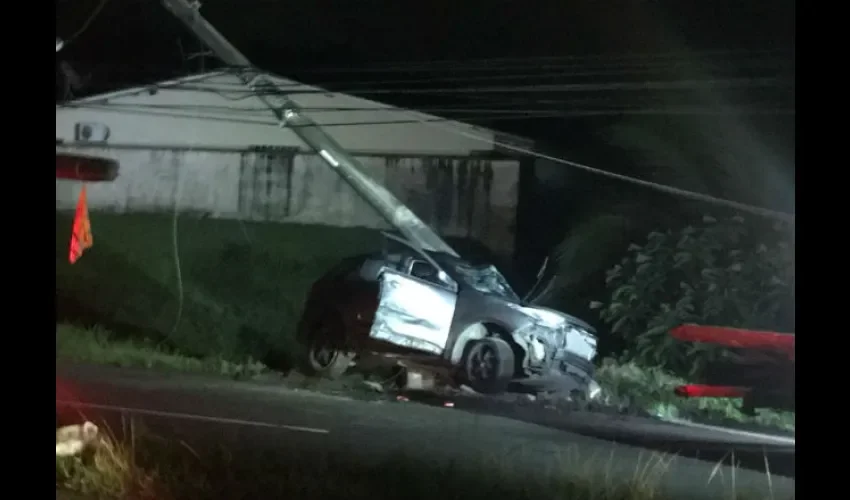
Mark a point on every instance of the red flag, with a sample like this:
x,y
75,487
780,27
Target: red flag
x,y
81,237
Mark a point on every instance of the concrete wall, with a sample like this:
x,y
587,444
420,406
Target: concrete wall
x,y
458,196
216,109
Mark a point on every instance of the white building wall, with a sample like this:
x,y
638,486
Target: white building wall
x,y
469,197
216,110
148,181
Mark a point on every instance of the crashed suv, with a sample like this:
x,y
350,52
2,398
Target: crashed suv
x,y
408,302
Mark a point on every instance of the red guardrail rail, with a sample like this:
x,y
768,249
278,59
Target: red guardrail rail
x,y
735,338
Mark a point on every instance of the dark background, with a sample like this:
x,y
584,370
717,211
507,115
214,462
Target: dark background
x,y
411,47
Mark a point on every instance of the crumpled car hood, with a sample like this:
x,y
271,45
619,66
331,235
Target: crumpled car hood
x,y
573,334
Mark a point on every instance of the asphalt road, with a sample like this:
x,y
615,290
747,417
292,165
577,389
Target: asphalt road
x,y
533,442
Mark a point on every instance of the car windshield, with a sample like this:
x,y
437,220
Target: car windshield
x,y
485,279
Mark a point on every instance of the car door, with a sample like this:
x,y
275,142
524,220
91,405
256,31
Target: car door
x,y
415,308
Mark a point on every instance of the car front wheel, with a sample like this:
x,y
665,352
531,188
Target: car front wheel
x,y
327,355
488,365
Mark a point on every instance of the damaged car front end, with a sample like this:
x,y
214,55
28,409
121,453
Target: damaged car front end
x,y
557,346
446,307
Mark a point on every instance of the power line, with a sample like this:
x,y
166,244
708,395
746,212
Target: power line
x,y
671,85
161,113
502,76
482,113
683,193
97,10
553,61
467,74
586,87
723,59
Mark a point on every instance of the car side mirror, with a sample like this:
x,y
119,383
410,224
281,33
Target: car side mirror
x,y
382,270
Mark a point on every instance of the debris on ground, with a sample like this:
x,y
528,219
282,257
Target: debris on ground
x,y
467,390
418,381
407,380
375,386
73,439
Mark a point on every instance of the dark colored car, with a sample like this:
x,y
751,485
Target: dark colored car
x,y
438,307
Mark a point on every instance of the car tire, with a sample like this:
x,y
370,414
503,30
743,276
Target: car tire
x,y
327,355
488,365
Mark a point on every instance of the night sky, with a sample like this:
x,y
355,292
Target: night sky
x,y
335,42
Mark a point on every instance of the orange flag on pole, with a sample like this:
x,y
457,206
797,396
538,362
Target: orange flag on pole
x,y
81,237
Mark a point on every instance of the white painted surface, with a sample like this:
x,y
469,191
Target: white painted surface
x,y
459,197
210,110
151,181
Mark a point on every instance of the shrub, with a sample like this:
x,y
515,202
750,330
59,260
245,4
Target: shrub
x,y
715,273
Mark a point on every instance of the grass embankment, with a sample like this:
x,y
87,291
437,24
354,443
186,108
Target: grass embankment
x,y
243,286
238,292
143,466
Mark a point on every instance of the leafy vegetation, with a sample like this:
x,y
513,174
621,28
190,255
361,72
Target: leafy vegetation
x,y
715,273
628,385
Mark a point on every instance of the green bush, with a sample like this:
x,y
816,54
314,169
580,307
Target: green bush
x,y
715,273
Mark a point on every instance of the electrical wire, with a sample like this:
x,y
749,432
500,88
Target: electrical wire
x,y
564,109
683,193
97,10
175,248
725,59
269,123
513,80
506,76
503,74
577,106
489,118
525,93
449,113
299,88
540,61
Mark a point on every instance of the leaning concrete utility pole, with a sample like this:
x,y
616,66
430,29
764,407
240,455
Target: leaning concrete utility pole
x,y
289,113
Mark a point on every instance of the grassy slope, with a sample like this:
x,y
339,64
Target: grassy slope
x,y
243,283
